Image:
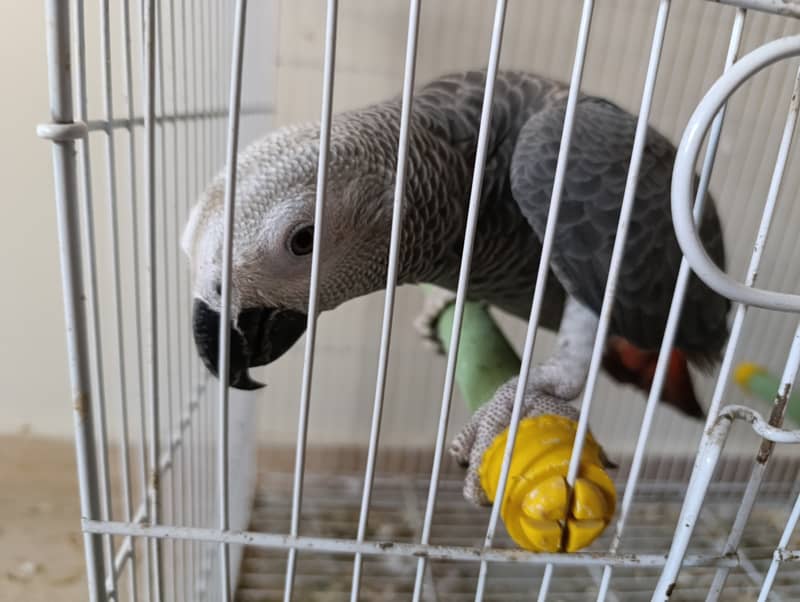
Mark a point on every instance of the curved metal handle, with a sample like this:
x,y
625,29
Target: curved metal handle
x,y
683,178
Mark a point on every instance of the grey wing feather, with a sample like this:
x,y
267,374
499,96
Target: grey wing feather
x,y
451,108
600,152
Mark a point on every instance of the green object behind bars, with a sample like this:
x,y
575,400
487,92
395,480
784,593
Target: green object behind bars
x,y
758,381
485,358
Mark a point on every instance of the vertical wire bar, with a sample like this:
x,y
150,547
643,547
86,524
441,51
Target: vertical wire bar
x,y
219,97
184,396
165,272
225,309
769,579
214,442
463,278
154,486
113,201
211,156
215,456
207,464
710,449
209,78
137,317
210,149
672,321
541,282
218,133
202,121
391,282
202,464
214,578
93,295
192,481
618,252
684,528
313,296
66,197
754,481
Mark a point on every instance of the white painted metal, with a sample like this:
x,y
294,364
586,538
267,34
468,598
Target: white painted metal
x,y
684,171
538,295
672,321
225,311
66,191
707,457
153,476
463,277
391,282
313,298
379,548
779,554
91,289
117,299
166,311
181,511
758,248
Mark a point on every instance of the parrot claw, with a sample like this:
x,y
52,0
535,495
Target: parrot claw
x,y
435,302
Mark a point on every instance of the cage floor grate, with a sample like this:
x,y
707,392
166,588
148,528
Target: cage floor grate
x,y
331,508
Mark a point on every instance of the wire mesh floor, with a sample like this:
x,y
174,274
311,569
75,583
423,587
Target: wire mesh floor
x,y
331,507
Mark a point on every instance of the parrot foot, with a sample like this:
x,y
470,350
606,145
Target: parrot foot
x,y
493,418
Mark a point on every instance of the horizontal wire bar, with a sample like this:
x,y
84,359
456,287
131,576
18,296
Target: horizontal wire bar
x,y
101,125
379,548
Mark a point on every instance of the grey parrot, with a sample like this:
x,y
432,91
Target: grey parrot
x,y
274,224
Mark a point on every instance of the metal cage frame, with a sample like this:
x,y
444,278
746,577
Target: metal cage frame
x,y
71,126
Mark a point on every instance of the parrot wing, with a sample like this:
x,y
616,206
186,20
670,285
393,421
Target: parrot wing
x,y
600,153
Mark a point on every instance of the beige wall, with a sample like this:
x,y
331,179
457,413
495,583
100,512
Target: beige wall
x,y
540,36
454,35
32,364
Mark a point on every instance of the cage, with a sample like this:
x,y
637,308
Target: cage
x,y
334,484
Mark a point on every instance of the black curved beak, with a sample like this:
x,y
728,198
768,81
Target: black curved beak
x,y
261,336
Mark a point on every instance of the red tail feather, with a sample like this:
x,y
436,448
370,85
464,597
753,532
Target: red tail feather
x,y
628,364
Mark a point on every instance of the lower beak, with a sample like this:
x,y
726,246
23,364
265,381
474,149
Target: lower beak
x,y
260,336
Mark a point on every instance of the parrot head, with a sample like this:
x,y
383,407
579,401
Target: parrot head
x,y
273,241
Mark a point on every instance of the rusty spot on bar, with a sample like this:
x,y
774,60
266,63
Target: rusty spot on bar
x,y
775,419
669,589
81,404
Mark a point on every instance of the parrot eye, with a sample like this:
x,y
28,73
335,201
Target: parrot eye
x,y
302,241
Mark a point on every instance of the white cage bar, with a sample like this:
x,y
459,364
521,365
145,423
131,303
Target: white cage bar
x,y
174,533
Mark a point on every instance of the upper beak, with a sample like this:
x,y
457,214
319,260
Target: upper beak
x,y
260,336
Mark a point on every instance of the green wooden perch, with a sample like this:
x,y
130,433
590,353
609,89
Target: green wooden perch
x,y
541,512
485,358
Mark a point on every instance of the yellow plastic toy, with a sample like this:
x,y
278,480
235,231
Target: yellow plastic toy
x,y
540,511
